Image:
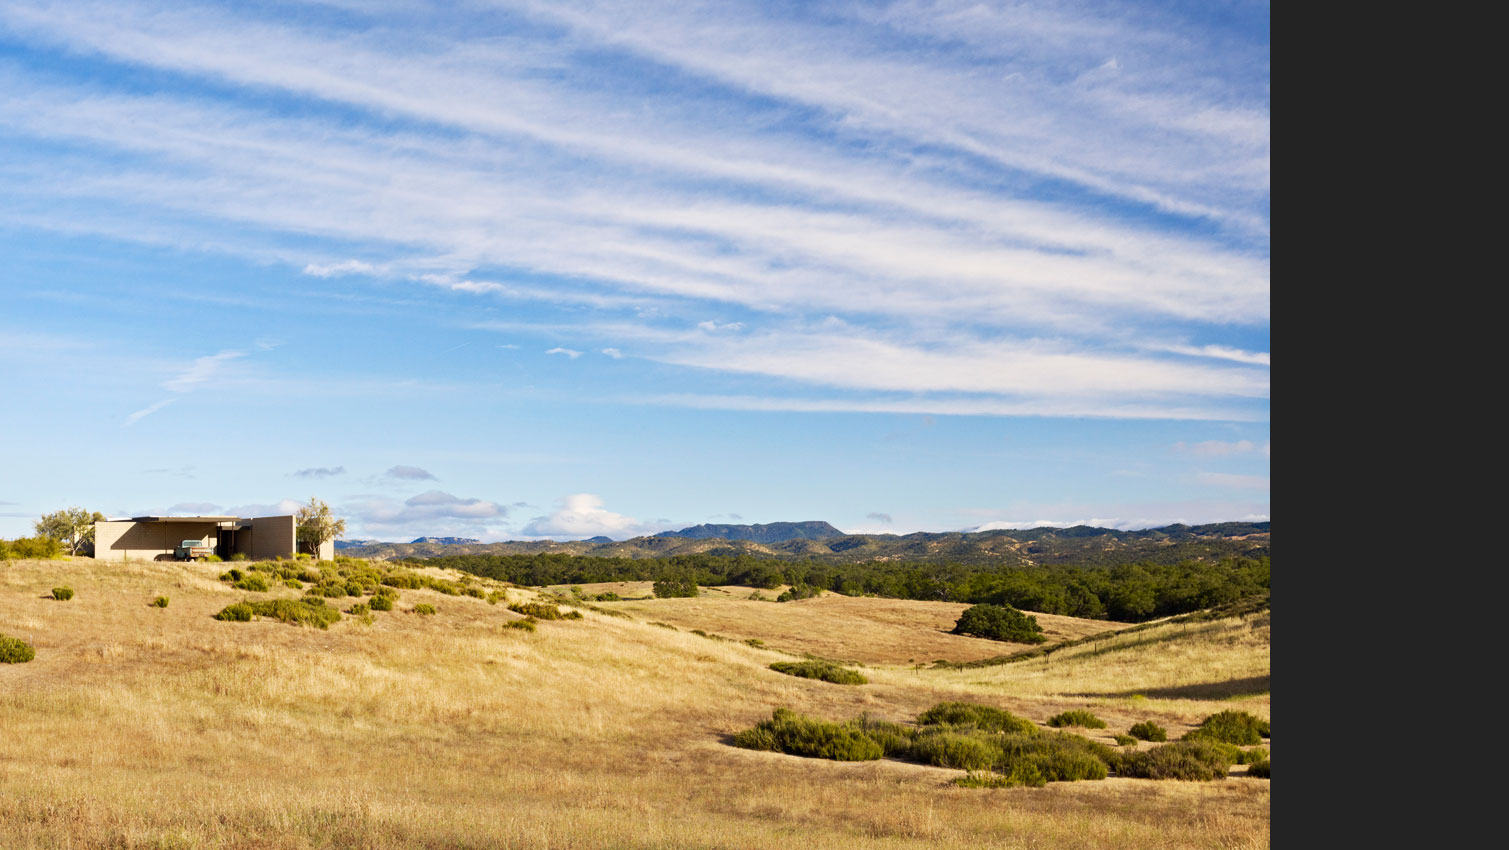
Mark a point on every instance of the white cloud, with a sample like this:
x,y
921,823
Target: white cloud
x,y
146,411
566,351
433,512
320,472
879,517
409,473
340,269
613,353
200,371
583,515
282,507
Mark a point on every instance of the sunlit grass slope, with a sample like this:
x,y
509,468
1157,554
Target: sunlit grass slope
x,y
146,727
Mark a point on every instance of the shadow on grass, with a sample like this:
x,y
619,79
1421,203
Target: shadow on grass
x,y
1248,686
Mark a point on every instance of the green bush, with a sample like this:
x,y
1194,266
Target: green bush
x,y
792,733
798,591
424,608
981,716
358,609
160,602
1021,775
31,548
293,583
944,747
255,583
62,594
1187,760
1076,717
496,596
894,738
309,611
527,624
232,575
999,622
1125,740
1232,727
823,670
1147,730
543,611
1253,756
1258,769
15,651
240,556
212,558
1058,756
380,603
239,612
675,587
607,596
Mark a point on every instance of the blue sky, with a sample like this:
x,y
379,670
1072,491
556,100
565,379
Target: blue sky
x,y
517,270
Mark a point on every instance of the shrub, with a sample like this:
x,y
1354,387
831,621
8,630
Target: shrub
x,y
15,651
527,624
62,594
1232,727
1076,717
160,602
798,591
424,608
254,583
309,611
1125,740
1187,760
999,622
1259,769
302,556
792,733
380,603
32,548
947,748
675,587
232,575
293,583
239,612
358,609
496,596
240,556
893,738
1021,775
608,596
982,716
212,558
543,611
823,670
1059,756
1253,756
755,642
1147,730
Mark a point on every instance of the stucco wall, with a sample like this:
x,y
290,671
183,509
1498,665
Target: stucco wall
x,y
273,536
148,541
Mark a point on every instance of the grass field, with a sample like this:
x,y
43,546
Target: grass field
x,y
146,727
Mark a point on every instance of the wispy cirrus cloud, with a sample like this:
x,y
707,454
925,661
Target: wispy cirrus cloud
x,y
1005,200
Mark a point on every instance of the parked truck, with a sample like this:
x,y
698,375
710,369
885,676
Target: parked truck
x,y
193,550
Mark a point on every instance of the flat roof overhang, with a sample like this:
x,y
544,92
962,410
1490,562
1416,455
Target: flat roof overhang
x,y
185,519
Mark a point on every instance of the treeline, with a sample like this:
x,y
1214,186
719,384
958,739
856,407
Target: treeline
x,y
1126,592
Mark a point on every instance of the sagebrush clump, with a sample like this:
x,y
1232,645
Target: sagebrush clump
x,y
1147,730
304,612
424,608
825,671
62,594
543,611
1231,727
1187,760
160,602
1076,717
789,732
15,650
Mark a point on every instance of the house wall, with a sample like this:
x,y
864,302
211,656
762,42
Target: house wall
x,y
273,536
151,541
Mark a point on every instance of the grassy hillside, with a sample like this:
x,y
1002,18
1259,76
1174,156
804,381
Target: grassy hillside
x,y
138,726
1016,547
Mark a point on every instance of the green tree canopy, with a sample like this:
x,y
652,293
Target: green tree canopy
x,y
73,527
317,525
999,622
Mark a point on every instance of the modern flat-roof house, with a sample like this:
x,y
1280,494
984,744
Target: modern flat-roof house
x,y
154,538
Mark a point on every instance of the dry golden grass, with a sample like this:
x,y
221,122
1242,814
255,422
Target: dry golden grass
x,y
860,630
140,727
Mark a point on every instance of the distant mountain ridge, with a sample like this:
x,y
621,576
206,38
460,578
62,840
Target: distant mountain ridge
x,y
445,541
1081,544
772,532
